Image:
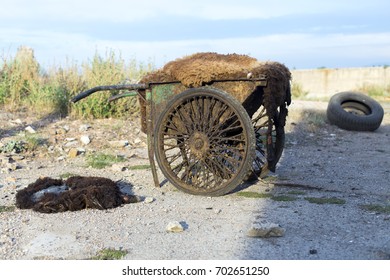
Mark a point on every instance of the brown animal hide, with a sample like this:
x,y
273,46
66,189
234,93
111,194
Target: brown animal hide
x,y
203,68
49,195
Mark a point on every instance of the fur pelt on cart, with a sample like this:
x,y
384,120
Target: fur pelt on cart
x,y
201,69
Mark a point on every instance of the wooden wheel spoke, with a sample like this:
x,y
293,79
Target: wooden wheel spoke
x,y
204,141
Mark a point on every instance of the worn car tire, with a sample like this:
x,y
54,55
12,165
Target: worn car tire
x,y
354,111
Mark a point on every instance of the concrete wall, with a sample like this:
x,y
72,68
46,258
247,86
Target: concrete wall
x,y
326,82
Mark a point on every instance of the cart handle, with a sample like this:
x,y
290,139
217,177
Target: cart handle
x,y
88,92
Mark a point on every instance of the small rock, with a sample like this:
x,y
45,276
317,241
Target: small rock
x,y
11,179
264,229
118,167
85,139
84,127
13,166
4,160
17,121
149,199
118,143
60,131
81,150
31,130
71,143
73,153
174,227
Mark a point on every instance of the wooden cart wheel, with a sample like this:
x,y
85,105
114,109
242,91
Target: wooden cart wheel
x,y
204,142
270,138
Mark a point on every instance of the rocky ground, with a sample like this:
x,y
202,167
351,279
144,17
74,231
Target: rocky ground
x,y
329,198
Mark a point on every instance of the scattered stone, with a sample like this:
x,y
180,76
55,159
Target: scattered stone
x,y
17,121
61,131
18,157
118,167
118,143
5,159
71,143
264,229
139,153
149,199
84,127
73,153
174,227
85,139
12,166
81,150
31,130
11,179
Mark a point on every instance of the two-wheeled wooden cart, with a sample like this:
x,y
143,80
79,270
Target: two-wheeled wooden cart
x,y
208,139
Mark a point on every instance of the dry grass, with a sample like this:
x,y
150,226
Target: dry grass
x,y
24,85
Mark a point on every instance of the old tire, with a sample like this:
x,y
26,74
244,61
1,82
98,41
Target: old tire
x,y
204,142
354,111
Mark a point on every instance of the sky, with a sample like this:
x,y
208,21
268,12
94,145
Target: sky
x,y
302,34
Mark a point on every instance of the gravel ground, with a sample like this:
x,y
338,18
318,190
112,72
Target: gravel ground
x,y
319,161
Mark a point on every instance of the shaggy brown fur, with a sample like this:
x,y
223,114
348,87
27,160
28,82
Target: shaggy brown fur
x,y
203,68
79,193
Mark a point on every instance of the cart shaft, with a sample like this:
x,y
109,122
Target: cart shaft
x,y
87,93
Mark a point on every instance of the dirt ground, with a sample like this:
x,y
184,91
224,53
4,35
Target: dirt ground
x,y
347,172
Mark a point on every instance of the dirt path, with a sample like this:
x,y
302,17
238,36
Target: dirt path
x,y
346,171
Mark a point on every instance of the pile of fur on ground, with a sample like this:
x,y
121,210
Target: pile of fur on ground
x,y
48,195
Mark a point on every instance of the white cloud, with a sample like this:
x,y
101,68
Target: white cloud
x,y
295,50
132,10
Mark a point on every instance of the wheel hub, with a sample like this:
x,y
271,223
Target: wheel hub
x,y
199,145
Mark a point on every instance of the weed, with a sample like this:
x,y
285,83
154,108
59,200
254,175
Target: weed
x,y
32,142
297,91
101,160
296,192
381,93
139,167
377,208
270,179
6,208
325,200
13,146
267,195
110,254
254,195
24,84
283,198
67,175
